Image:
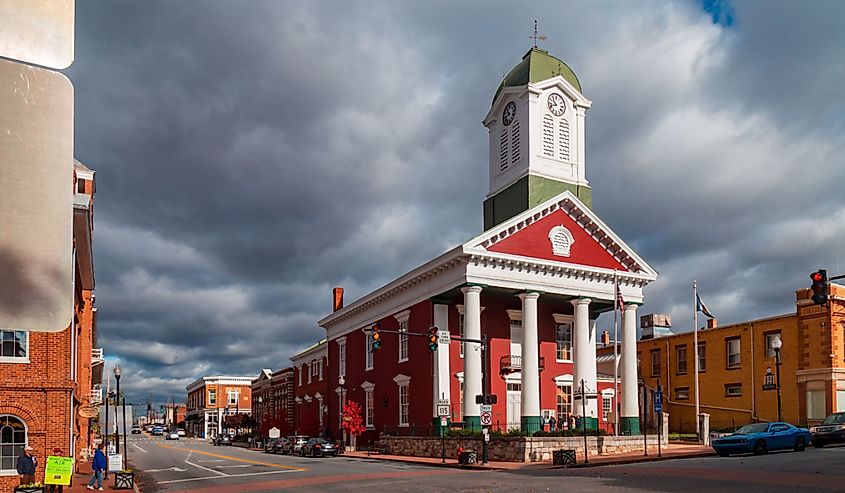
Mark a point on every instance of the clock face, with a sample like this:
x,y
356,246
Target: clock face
x,y
556,104
509,113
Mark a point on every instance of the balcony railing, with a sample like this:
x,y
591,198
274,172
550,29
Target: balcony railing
x,y
511,363
97,355
96,396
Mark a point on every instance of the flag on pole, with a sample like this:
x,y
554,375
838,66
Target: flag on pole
x,y
701,308
620,302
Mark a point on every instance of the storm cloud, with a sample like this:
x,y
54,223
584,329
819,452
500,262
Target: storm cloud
x,y
252,155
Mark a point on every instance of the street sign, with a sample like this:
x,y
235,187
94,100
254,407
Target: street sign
x,y
443,337
274,432
491,399
658,402
37,203
443,411
115,462
486,418
486,408
442,402
444,421
38,32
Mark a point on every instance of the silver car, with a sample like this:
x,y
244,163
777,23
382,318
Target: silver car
x,y
294,444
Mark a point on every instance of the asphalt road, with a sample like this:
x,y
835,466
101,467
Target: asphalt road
x,y
192,465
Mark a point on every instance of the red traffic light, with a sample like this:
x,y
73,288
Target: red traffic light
x,y
432,339
816,277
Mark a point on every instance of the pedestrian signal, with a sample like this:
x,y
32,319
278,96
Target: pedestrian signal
x,y
432,339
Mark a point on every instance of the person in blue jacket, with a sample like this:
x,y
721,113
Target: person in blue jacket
x,y
26,465
99,465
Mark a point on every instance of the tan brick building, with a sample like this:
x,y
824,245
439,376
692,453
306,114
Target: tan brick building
x,y
735,360
211,399
47,378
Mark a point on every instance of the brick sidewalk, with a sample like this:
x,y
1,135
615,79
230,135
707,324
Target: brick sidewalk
x,y
81,480
672,451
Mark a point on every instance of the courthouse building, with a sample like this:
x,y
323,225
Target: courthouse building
x,y
534,283
49,381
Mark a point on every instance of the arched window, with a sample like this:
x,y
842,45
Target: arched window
x,y
12,441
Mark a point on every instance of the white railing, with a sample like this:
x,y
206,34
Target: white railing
x,y
96,396
97,355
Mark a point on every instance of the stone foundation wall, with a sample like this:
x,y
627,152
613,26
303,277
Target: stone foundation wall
x,y
516,449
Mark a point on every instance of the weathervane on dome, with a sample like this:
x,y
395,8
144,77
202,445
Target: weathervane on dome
x,y
536,36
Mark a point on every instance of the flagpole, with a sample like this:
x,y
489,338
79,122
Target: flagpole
x,y
615,354
695,350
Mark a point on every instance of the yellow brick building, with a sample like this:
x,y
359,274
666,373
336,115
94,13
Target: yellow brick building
x,y
736,358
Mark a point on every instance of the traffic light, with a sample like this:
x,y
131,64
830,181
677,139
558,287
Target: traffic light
x,y
432,339
819,286
376,335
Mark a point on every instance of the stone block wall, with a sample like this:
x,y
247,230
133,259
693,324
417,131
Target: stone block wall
x,y
516,449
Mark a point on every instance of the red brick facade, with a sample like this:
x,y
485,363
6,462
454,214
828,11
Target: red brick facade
x,y
311,384
46,389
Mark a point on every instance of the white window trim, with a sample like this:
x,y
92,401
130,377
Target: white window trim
x,y
561,318
407,388
16,359
460,309
14,472
369,389
401,379
402,318
341,362
310,372
369,354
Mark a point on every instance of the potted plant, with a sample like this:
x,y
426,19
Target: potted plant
x,y
124,480
30,488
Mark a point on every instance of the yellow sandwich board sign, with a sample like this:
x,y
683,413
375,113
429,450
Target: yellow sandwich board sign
x,y
59,470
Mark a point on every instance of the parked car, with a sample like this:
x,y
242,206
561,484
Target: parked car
x,y
270,446
136,430
294,444
319,447
181,432
831,430
759,438
222,439
171,435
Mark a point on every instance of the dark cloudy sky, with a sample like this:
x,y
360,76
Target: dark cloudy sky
x,y
251,155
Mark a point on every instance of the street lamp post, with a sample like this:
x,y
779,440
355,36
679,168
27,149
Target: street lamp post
x,y
117,373
776,345
341,382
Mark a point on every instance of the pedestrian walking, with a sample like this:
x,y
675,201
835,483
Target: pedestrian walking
x,y
26,465
99,465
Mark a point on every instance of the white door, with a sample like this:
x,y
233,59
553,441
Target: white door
x,y
514,405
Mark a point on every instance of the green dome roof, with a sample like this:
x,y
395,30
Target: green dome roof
x,y
535,66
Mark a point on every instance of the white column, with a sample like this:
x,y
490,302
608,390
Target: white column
x,y
585,358
441,358
530,363
630,386
472,353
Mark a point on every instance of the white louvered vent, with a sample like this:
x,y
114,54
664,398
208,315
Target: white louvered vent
x,y
503,150
548,136
515,141
563,140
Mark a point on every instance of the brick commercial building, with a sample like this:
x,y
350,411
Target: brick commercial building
x,y
46,379
273,401
738,372
311,388
212,399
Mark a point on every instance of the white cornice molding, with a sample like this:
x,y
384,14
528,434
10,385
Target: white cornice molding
x,y
402,316
319,349
561,318
515,315
368,386
402,379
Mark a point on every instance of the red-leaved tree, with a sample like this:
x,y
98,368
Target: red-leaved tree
x,y
351,419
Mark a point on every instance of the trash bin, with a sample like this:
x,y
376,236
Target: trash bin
x,y
467,457
562,457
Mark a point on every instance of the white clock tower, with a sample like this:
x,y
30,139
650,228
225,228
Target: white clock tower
x,y
536,128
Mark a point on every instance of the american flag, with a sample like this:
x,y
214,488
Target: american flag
x,y
620,302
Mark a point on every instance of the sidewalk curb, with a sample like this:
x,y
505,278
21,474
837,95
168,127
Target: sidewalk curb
x,y
452,465
635,460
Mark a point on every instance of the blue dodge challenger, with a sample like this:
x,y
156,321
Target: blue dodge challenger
x,y
759,438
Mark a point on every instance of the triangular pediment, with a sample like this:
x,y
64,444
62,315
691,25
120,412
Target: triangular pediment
x,y
563,230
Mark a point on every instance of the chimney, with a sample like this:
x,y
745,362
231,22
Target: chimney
x,y
605,338
711,323
337,299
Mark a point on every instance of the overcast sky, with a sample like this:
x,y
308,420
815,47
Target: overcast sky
x,y
252,155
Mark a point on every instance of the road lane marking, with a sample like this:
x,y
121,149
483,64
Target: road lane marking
x,y
237,465
212,460
177,469
206,478
237,459
139,448
219,473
